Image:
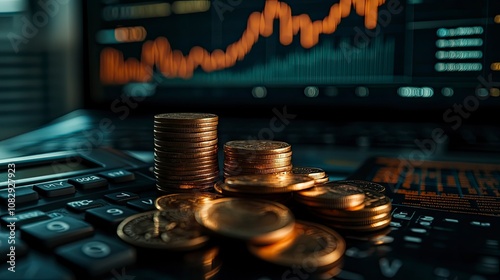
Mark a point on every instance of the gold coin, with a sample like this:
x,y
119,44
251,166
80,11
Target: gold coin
x,y
258,171
256,221
256,166
186,155
257,146
181,145
270,183
256,159
318,244
315,172
186,117
158,128
251,156
169,188
366,185
332,195
172,230
374,204
184,201
321,180
178,135
363,228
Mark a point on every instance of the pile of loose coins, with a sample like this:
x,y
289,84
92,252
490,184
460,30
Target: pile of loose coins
x,y
185,151
250,201
272,234
348,205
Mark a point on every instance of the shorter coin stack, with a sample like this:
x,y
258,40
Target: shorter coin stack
x,y
244,157
349,205
185,151
319,175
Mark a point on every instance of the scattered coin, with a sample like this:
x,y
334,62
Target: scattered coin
x,y
319,245
171,230
256,221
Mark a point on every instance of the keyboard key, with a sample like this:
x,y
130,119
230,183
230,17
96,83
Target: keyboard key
x,y
25,217
55,188
84,204
118,176
88,182
143,204
121,197
96,256
108,216
55,232
22,195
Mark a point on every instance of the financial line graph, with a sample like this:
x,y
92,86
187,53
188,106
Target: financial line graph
x,y
172,63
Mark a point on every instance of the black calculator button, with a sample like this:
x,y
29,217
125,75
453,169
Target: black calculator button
x,y
118,176
88,182
58,188
142,204
97,256
22,195
108,216
84,204
25,218
55,232
121,197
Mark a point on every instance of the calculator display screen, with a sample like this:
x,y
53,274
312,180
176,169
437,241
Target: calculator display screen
x,y
30,170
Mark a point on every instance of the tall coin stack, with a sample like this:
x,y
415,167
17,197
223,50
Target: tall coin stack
x,y
245,157
185,151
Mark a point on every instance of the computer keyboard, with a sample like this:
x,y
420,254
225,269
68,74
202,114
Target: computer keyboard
x,y
65,227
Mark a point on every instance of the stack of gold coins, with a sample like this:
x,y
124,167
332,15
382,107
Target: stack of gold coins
x,y
243,157
351,206
317,173
185,151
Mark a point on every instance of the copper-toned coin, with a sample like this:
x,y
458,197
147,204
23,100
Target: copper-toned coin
x,y
365,185
256,166
165,176
259,171
270,183
172,230
332,195
181,188
231,159
186,117
185,154
251,156
256,221
184,201
179,135
158,128
180,140
182,145
363,227
315,172
374,204
320,245
257,146
322,180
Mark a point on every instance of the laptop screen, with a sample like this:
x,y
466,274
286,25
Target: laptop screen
x,y
343,55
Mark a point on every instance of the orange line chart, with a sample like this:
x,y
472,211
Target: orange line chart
x,y
114,69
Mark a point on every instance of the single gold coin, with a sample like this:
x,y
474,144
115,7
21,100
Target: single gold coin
x,y
315,172
374,204
332,195
252,157
365,185
318,244
270,183
184,201
256,221
257,146
186,117
171,229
